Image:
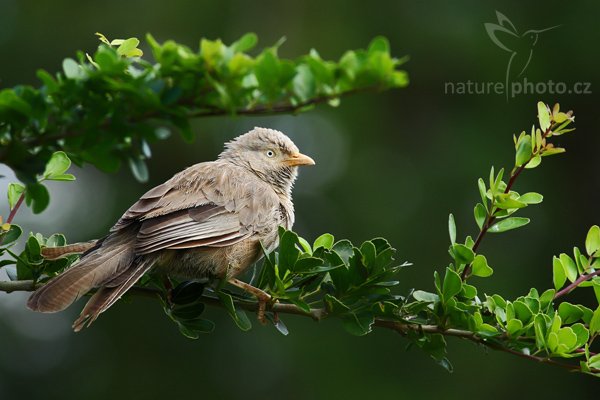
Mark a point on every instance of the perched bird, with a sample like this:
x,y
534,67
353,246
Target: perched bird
x,y
208,220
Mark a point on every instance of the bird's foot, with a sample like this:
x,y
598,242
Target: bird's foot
x,y
263,298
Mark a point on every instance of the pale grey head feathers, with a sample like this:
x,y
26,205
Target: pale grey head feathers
x,y
269,154
260,139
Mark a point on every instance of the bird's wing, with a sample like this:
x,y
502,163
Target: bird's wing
x,y
210,204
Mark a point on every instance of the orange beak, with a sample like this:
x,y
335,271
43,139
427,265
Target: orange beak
x,y
299,159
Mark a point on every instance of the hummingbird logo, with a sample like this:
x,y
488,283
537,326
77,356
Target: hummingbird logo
x,y
519,45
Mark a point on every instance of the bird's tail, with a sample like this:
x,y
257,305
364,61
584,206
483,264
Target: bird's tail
x,y
107,295
111,258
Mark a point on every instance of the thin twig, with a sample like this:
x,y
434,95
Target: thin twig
x,y
13,212
576,283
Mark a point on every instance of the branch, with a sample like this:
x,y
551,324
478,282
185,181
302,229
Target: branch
x,y
284,108
18,286
576,283
13,212
404,328
318,314
281,108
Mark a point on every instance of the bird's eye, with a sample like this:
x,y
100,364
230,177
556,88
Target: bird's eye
x,y
270,153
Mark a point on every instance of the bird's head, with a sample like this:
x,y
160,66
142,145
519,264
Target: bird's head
x,y
531,36
269,154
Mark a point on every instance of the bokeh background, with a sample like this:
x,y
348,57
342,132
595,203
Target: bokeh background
x,y
391,164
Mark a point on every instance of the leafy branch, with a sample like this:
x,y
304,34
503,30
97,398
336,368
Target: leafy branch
x,y
108,107
317,314
500,201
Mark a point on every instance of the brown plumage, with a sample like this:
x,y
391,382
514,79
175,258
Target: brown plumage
x,y
206,221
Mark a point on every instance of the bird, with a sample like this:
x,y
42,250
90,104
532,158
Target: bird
x,y
208,221
505,35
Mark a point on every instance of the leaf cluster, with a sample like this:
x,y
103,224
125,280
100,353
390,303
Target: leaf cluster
x,y
107,107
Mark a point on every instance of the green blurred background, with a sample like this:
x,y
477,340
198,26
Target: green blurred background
x,y
391,164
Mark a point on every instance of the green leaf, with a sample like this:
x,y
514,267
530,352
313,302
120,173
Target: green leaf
x,y
524,151
15,190
278,324
452,285
546,298
570,267
306,248
592,241
435,346
452,228
288,251
580,260
558,273
63,177
187,311
480,267
10,100
139,169
535,161
549,151
325,240
4,263
569,313
513,327
56,240
312,265
567,340
379,43
482,190
37,197
304,83
480,214
128,48
462,254
368,251
58,164
522,311
194,327
594,361
468,291
334,305
72,69
595,322
540,327
358,324
187,292
508,203
426,297
531,198
239,316
245,43
344,250
48,80
543,116
33,249
508,224
12,235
